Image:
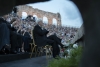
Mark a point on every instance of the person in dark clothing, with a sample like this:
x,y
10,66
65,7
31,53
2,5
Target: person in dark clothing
x,y
40,36
16,41
4,36
41,39
11,35
55,46
27,39
20,38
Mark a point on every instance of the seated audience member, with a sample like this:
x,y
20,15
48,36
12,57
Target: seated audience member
x,y
4,36
27,39
10,37
41,39
15,38
20,39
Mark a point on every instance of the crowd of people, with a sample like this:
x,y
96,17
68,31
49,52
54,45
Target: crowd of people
x,y
65,33
18,34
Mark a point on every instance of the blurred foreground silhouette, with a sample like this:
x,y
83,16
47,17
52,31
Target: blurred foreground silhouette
x,y
90,12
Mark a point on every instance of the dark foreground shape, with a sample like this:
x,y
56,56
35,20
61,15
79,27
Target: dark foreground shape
x,y
90,11
6,6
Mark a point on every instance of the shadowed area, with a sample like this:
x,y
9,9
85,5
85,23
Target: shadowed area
x,y
33,62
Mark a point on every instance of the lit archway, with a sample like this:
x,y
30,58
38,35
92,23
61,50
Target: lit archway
x,y
45,20
24,15
54,21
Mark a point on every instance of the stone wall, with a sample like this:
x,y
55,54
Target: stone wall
x,y
39,13
79,36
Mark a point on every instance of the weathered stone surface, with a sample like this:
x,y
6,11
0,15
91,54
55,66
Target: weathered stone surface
x,y
78,35
40,13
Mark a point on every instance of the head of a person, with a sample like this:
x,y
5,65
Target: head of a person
x,y
40,22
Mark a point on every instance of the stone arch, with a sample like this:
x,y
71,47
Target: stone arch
x,y
40,13
45,19
54,21
58,19
24,15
